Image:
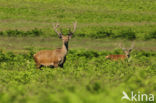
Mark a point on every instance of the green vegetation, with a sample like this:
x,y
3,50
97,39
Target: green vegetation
x,y
87,77
96,18
23,44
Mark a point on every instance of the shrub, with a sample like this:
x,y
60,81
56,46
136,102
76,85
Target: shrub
x,y
104,34
16,33
151,35
124,34
36,32
128,34
1,33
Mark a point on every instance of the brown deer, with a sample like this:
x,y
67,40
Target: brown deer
x,y
123,56
55,58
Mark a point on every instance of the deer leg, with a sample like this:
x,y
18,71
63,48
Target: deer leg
x,y
39,66
55,65
51,66
61,65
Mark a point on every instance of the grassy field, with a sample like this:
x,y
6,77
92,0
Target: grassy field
x,y
96,19
87,77
23,44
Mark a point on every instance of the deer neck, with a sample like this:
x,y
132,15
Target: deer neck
x,y
127,56
65,48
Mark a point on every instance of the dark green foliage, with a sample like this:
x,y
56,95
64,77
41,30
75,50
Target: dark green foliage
x,y
146,54
4,57
87,77
80,35
1,33
19,33
127,34
14,33
152,35
103,34
93,87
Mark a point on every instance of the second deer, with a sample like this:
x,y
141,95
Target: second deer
x,y
57,57
122,56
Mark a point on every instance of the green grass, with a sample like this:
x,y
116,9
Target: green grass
x,y
23,44
92,16
87,77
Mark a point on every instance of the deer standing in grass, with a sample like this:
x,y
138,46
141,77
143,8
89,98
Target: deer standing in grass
x,y
123,56
55,58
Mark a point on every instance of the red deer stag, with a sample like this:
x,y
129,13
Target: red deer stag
x,y
123,56
55,58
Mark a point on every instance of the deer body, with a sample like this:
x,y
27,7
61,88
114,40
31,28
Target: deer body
x,y
54,58
122,56
116,57
51,57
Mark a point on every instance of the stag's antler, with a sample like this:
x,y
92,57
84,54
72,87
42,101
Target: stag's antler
x,y
74,29
122,47
55,26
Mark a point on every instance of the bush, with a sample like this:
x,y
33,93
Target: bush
x,y
128,34
1,33
123,34
152,35
17,33
14,33
103,34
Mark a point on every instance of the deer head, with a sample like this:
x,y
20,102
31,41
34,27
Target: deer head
x,y
65,39
127,50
